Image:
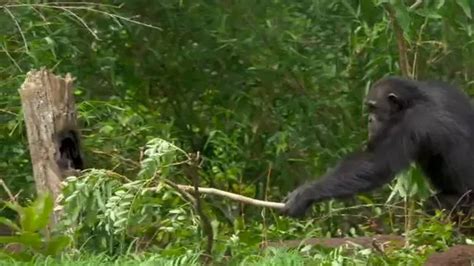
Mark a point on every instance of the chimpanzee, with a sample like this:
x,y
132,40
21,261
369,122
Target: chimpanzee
x,y
428,123
69,156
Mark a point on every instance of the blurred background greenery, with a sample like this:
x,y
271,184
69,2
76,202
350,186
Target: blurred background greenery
x,y
268,92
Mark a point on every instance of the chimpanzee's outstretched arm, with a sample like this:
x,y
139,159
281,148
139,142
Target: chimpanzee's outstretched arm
x,y
359,172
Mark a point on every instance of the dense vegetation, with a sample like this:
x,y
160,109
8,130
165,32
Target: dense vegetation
x,y
269,93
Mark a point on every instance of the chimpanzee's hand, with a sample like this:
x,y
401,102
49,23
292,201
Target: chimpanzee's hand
x,y
296,204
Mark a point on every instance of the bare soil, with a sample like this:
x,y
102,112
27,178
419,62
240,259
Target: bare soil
x,y
459,255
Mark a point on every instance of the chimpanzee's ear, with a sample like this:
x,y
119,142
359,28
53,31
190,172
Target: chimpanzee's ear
x,y
393,97
395,101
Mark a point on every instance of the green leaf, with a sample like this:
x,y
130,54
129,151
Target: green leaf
x,y
107,129
369,12
349,7
10,224
9,239
440,4
403,18
429,14
18,256
27,219
464,4
44,207
15,207
32,240
57,244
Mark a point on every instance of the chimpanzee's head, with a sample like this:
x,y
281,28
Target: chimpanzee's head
x,y
386,101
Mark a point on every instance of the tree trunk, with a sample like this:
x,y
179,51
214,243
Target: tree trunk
x,y
53,138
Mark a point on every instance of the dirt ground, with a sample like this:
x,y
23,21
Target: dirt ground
x,y
459,255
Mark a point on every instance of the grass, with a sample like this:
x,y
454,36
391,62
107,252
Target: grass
x,y
272,258
93,260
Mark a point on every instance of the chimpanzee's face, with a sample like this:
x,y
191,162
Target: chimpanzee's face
x,y
382,104
374,122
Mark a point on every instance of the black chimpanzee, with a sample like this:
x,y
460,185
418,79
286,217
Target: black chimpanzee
x,y
429,123
69,155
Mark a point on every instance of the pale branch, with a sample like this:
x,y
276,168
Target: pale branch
x,y
233,196
416,4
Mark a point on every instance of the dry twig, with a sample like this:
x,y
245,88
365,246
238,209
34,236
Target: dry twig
x,y
233,196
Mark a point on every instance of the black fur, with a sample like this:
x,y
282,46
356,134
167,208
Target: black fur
x,y
429,123
69,156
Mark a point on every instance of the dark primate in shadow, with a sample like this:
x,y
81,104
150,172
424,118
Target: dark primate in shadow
x,y
429,123
69,155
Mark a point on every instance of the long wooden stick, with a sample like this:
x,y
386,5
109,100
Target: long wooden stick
x,y
233,196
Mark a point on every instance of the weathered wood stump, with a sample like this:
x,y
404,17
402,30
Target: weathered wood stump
x,y
50,119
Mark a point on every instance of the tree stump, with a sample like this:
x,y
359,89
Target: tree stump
x,y
53,138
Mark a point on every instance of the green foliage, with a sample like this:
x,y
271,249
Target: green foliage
x,y
435,231
160,156
112,210
410,183
269,93
29,231
102,259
